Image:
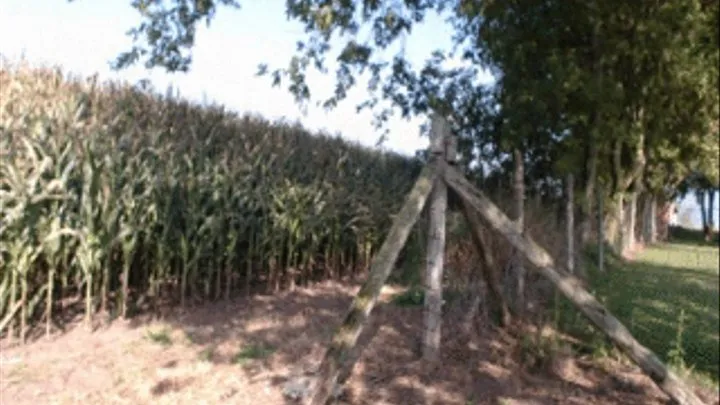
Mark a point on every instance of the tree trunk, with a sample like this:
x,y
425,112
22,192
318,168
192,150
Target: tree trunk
x,y
488,265
587,218
663,220
653,219
570,222
631,220
435,247
614,228
601,231
617,231
592,158
700,195
649,222
711,209
572,289
517,266
338,355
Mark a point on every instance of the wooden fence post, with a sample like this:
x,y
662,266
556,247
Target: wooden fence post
x,y
570,219
435,255
601,229
339,358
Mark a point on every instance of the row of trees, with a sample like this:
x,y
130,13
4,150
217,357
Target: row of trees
x,y
621,94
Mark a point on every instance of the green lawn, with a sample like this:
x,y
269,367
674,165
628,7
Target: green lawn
x,y
649,295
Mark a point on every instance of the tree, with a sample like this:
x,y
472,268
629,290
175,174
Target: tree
x,y
618,91
168,32
584,67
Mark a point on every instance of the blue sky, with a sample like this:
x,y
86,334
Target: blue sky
x,y
83,36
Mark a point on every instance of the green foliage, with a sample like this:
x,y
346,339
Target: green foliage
x,y
253,352
537,351
691,237
163,48
624,90
668,298
123,197
676,355
161,337
415,296
206,354
412,297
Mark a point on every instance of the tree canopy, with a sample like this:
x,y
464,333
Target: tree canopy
x,y
631,86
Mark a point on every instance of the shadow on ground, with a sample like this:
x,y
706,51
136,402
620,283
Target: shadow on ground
x,y
669,299
245,351
661,297
693,237
278,338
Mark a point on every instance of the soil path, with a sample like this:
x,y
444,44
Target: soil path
x,y
244,352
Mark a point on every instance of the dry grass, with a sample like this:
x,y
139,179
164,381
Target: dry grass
x,y
192,358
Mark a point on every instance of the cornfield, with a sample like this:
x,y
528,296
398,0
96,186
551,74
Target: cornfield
x,y
119,198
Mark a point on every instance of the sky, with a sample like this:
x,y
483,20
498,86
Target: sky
x,y
84,36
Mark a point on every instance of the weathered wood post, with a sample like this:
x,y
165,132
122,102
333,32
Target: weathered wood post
x,y
490,272
339,356
435,255
601,229
518,270
573,290
570,219
488,266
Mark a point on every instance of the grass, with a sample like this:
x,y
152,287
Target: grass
x,y
206,354
692,237
668,298
253,352
415,297
412,297
161,337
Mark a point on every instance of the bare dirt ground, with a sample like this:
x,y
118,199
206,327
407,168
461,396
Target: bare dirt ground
x,y
243,352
